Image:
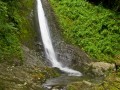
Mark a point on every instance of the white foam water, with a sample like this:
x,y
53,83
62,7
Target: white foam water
x,y
50,54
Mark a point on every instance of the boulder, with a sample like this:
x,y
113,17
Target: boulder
x,y
100,68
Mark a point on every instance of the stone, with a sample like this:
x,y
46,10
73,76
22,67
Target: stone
x,y
99,68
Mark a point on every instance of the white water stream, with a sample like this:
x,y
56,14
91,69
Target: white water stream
x,y
44,29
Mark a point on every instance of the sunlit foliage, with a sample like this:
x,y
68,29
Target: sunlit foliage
x,y
94,28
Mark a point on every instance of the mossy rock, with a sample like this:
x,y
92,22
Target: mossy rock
x,y
43,73
2,86
83,85
110,82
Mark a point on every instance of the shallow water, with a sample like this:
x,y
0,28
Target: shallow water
x,y
61,82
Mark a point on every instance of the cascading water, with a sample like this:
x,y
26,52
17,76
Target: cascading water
x,y
48,43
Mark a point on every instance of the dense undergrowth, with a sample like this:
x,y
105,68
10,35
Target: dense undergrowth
x,y
94,28
13,27
110,4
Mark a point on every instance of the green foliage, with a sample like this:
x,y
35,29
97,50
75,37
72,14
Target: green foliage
x,y
112,4
13,24
94,28
9,43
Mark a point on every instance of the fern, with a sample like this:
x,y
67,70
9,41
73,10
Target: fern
x,y
94,28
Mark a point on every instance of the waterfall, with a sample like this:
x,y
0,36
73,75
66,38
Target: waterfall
x,y
50,54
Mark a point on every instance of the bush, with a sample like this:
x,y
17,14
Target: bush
x,y
14,27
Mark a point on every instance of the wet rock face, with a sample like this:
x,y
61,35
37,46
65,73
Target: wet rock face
x,y
67,54
71,56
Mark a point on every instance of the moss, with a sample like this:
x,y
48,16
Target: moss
x,y
110,82
43,73
71,87
39,77
2,86
79,85
24,17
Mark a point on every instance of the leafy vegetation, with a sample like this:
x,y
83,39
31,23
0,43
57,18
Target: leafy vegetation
x,y
94,28
112,4
12,27
9,43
